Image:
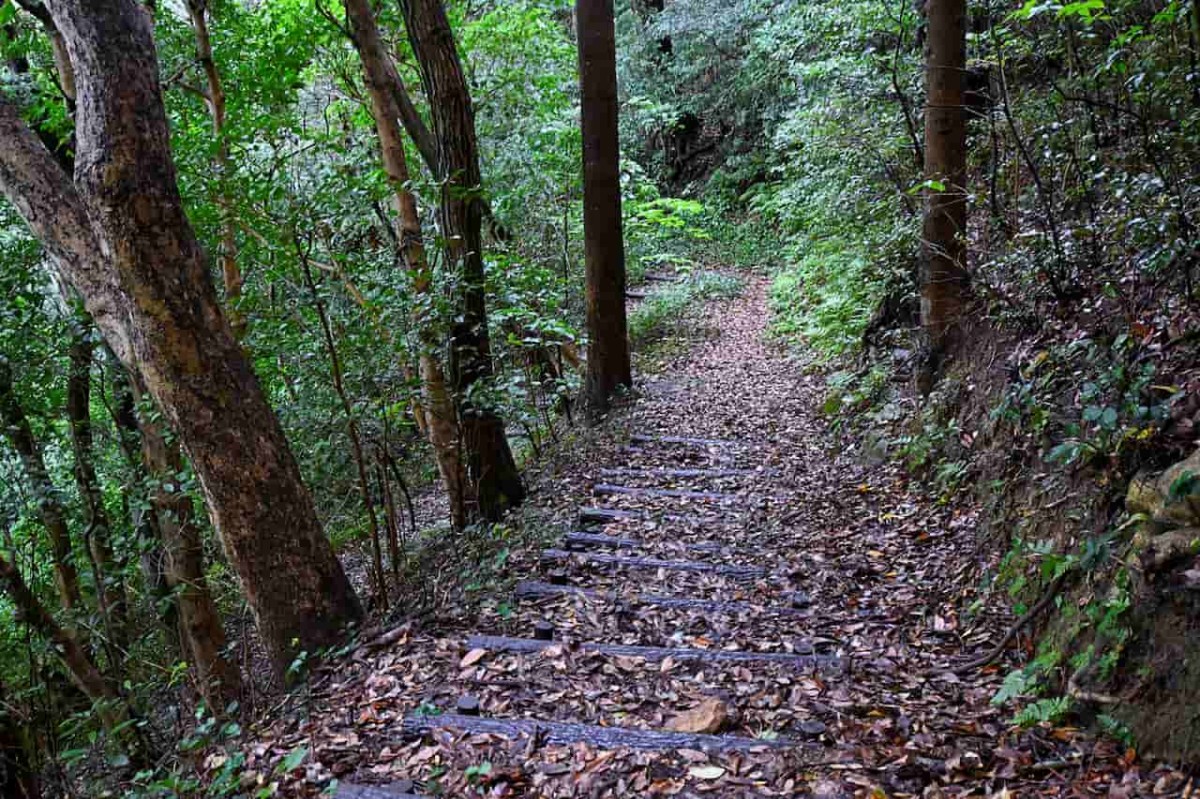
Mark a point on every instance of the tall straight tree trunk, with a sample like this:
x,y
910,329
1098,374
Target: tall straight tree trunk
x,y
944,278
604,244
440,414
45,493
155,303
98,529
214,98
200,630
493,482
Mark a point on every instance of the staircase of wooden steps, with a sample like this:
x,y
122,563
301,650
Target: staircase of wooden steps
x,y
631,570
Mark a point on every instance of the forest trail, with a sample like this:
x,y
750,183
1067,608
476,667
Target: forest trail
x,y
741,609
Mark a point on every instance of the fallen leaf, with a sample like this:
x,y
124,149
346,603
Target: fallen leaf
x,y
706,718
472,657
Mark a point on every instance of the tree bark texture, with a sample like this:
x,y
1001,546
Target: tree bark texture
x,y
152,297
604,245
944,258
45,493
441,416
493,482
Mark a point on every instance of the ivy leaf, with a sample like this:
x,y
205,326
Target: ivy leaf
x,y
292,760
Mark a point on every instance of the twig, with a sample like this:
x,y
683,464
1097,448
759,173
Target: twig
x,y
1021,623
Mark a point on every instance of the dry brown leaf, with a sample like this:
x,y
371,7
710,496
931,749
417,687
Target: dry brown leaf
x,y
472,657
707,718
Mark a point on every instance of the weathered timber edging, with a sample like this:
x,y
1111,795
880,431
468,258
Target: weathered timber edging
x,y
606,489
583,540
698,566
611,515
499,643
348,791
532,589
564,733
664,472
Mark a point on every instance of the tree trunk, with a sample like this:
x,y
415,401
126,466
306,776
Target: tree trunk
x,y
110,586
356,447
493,482
155,303
80,668
18,769
944,278
604,245
231,273
201,633
140,509
50,508
440,414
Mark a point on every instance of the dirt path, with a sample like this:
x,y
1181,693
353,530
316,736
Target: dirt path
x,y
765,617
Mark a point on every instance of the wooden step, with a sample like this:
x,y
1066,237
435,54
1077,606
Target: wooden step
x,y
564,734
532,589
581,540
498,643
686,441
621,561
612,515
607,490
660,277
666,474
635,294
402,790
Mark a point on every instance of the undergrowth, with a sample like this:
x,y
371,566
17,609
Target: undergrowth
x,y
655,316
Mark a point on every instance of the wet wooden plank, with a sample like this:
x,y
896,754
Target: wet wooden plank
x,y
533,589
684,474
583,540
499,643
611,515
401,790
565,733
622,561
607,490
